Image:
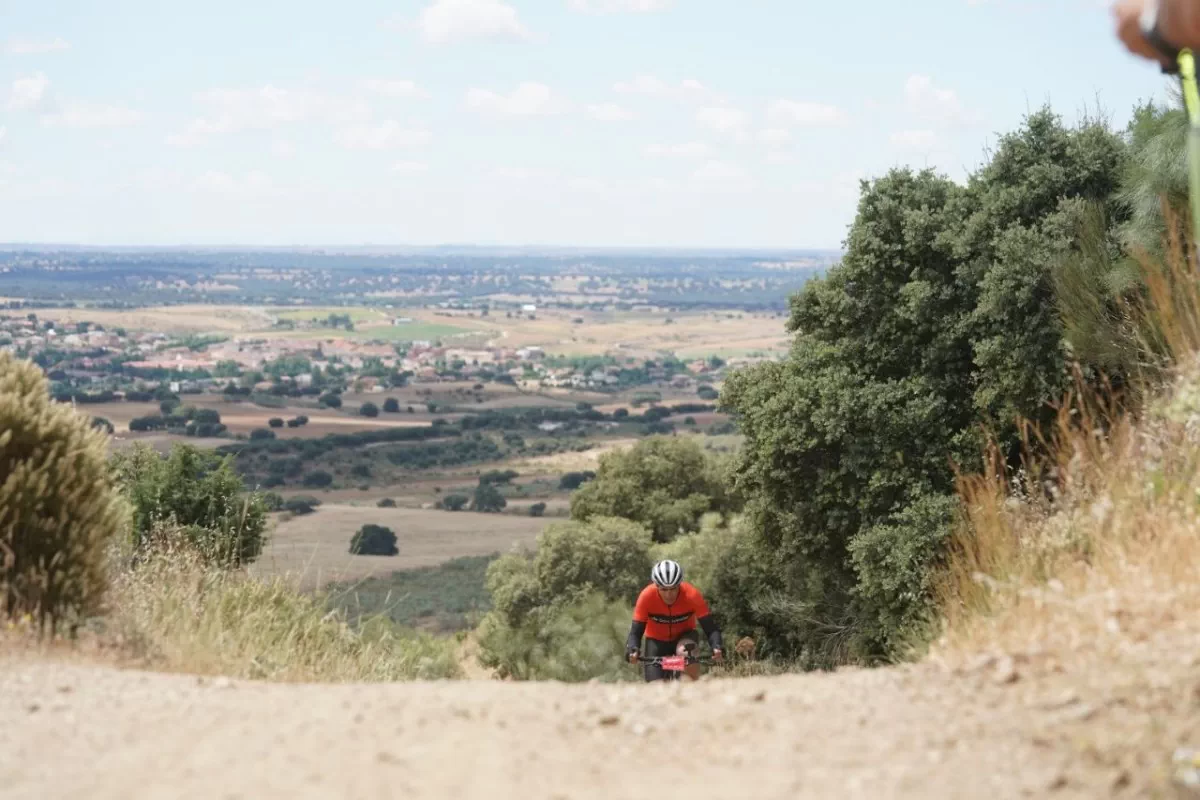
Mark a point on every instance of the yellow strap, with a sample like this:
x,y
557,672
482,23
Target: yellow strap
x,y
1191,96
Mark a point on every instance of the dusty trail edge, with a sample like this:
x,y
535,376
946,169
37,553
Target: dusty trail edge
x,y
1022,726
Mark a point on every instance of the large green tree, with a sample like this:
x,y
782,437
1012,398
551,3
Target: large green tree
x,y
940,318
665,483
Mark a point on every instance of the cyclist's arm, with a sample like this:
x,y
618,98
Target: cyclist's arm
x,y
712,632
1179,22
634,642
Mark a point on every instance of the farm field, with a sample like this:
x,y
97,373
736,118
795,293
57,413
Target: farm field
x,y
313,549
568,332
182,319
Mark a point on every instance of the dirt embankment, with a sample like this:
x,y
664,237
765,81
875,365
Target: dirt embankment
x,y
997,728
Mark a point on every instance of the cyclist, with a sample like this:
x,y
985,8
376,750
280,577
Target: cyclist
x,y
1154,29
667,612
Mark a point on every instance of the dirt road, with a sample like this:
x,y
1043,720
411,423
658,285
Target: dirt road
x,y
995,730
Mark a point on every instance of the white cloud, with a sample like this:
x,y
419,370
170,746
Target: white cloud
x,y
587,184
386,135
929,101
642,84
410,167
774,136
447,21
80,115
216,181
282,148
619,6
3,133
394,88
28,93
779,158
20,47
685,150
914,139
719,171
724,120
528,99
791,112
689,89
264,108
518,173
609,112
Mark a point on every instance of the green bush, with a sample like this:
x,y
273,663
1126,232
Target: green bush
x,y
261,433
455,502
100,423
664,483
318,479
58,508
300,505
487,499
537,509
573,480
272,501
391,405
386,502
275,422
563,612
374,540
197,491
578,642
499,476
368,410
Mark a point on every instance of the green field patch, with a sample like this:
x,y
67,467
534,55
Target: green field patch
x,y
442,598
305,314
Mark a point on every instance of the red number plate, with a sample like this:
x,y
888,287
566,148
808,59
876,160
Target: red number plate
x,y
673,663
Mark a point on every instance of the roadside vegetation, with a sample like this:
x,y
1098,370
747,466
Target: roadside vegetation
x,y
983,437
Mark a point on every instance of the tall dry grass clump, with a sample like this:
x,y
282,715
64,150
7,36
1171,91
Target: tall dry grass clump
x,y
175,609
1095,542
58,509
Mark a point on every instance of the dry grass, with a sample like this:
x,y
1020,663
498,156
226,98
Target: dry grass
x,y
1097,551
173,613
1106,553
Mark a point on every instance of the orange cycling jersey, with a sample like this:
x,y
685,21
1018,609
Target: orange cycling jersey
x,y
668,622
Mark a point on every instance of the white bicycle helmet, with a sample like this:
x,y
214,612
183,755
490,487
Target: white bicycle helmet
x,y
667,574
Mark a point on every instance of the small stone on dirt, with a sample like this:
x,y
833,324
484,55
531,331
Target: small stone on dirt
x,y
1005,672
610,719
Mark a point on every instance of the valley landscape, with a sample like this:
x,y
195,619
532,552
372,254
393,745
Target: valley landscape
x,y
371,377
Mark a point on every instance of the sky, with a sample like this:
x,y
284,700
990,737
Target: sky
x,y
632,123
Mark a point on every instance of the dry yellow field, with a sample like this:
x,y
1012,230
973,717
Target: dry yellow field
x,y
180,319
313,549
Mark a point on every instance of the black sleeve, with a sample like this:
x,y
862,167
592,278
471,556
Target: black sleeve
x,y
634,642
712,632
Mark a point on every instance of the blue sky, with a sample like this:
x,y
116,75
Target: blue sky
x,y
691,123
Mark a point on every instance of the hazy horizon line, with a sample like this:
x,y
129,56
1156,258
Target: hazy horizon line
x,y
401,248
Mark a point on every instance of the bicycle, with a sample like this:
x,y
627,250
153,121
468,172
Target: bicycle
x,y
673,666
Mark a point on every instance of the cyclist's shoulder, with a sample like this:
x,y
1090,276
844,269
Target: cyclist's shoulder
x,y
648,593
690,590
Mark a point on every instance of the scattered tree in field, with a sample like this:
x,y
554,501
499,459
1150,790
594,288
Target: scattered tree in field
x,y
455,502
374,540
